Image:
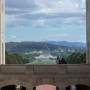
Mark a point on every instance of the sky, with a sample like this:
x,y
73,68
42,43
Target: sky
x,y
45,20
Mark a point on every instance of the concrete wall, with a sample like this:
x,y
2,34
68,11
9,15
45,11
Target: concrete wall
x,y
35,75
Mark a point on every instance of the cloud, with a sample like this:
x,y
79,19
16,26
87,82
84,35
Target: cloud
x,y
44,13
56,6
66,37
21,4
46,6
12,36
15,11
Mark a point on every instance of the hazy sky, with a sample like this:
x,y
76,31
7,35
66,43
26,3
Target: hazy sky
x,y
41,20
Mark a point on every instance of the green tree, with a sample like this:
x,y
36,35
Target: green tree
x,y
76,58
15,59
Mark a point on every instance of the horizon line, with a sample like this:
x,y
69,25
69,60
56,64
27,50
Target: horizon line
x,y
48,41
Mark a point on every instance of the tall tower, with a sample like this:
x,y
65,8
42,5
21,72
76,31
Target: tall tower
x,y
2,31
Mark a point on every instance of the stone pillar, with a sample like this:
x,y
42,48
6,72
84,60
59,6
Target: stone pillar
x,y
61,88
34,88
57,88
2,31
88,30
18,87
29,88
73,87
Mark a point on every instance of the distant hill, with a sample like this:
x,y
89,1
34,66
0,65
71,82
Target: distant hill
x,y
22,47
69,44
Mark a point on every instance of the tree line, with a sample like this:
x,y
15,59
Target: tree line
x,y
77,58
14,58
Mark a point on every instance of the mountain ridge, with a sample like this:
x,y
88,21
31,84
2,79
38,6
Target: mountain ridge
x,y
28,46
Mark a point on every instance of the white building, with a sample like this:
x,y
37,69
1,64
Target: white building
x,y
45,57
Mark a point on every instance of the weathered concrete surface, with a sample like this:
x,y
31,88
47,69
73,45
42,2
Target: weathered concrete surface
x,y
34,75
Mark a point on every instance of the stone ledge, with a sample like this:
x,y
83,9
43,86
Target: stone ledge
x,y
44,69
